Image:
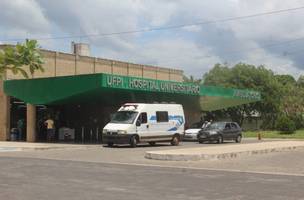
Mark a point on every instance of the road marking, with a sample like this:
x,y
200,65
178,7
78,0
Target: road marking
x,y
9,149
169,166
203,168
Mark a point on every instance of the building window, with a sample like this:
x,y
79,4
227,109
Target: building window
x,y
143,118
162,116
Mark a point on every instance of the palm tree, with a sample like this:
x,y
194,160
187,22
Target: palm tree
x,y
16,58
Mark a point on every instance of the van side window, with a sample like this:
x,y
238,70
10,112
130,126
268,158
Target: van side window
x,y
162,116
143,117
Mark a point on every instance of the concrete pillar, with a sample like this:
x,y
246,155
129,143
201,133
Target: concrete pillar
x,y
30,123
4,114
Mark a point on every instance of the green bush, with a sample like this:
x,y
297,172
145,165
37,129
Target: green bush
x,y
298,120
285,124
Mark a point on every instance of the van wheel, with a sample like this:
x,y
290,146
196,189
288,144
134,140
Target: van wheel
x,y
133,141
238,139
220,139
152,143
175,140
110,144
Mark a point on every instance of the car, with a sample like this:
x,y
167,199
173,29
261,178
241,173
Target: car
x,y
221,131
192,131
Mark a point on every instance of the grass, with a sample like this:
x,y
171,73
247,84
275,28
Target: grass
x,y
299,134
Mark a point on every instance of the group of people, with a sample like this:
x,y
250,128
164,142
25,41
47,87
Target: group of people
x,y
49,125
206,124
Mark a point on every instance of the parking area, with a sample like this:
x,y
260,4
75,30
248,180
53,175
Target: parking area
x,y
117,153
102,171
289,162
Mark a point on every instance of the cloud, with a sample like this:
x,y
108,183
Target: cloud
x,y
195,49
176,53
22,16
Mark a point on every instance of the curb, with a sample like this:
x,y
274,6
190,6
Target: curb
x,y
54,148
220,156
11,149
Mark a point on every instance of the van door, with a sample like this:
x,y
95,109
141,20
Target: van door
x,y
159,126
143,129
163,125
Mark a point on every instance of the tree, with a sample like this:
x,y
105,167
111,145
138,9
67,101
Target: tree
x,y
300,81
191,79
292,99
286,79
246,76
16,58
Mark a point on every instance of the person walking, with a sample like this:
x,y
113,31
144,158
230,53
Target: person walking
x,y
50,129
20,124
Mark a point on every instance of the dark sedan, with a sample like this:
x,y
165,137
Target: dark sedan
x,y
220,131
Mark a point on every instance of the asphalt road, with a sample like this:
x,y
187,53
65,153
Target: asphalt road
x,y
290,162
29,178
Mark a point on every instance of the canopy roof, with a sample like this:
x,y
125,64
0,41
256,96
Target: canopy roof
x,y
109,89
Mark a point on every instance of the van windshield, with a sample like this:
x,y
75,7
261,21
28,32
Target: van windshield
x,y
124,117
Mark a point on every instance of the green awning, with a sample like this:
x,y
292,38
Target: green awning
x,y
115,88
216,98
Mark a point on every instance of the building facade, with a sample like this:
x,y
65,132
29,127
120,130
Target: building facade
x,y
82,92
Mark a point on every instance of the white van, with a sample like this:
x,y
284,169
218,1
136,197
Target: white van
x,y
134,123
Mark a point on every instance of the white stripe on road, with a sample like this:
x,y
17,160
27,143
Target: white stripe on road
x,y
169,166
9,149
204,168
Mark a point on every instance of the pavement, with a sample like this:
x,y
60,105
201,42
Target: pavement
x,y
121,172
224,152
177,153
44,179
25,146
286,162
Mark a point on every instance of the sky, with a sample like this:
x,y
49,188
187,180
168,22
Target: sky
x,y
276,41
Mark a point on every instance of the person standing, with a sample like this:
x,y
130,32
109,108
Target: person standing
x,y
205,125
209,123
20,124
50,129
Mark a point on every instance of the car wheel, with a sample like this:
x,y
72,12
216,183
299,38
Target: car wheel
x,y
110,144
238,139
201,141
152,143
175,140
220,139
133,141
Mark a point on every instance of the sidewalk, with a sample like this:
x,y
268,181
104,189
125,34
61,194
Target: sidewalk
x,y
20,146
223,152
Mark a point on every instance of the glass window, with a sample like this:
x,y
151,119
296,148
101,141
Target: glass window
x,y
228,126
162,116
217,125
143,118
234,126
124,117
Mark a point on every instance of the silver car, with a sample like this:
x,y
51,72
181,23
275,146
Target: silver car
x,y
191,133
